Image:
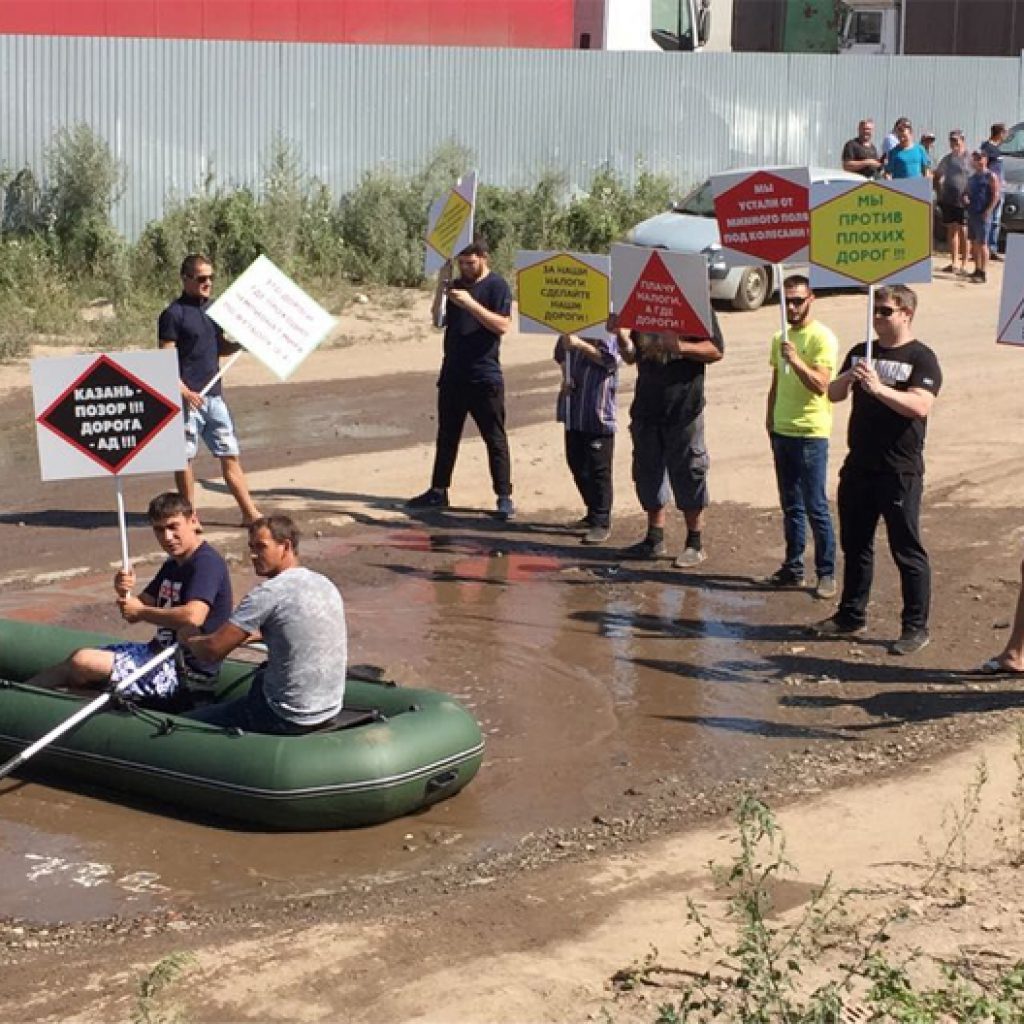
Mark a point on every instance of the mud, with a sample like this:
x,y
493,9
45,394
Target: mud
x,y
616,698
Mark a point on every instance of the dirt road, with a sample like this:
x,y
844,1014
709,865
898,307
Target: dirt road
x,y
624,705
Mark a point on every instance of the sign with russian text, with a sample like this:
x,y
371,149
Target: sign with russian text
x,y
272,317
108,415
563,293
450,224
1011,300
763,216
661,292
871,233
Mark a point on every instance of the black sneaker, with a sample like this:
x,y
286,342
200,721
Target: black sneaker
x,y
978,277
434,497
785,578
506,509
597,535
646,548
910,642
836,627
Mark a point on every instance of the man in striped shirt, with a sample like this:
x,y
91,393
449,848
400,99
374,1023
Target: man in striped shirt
x,y
586,405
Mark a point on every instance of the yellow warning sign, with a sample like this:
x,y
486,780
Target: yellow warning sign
x,y
872,234
564,293
449,225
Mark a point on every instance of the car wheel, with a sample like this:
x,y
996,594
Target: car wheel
x,y
752,290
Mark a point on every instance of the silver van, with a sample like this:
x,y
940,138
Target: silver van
x,y
690,226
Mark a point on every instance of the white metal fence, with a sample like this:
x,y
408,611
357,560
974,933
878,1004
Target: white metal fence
x,y
172,110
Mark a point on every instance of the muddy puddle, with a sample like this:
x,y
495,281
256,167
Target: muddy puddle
x,y
589,678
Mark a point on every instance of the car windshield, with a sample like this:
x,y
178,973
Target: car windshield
x,y
1013,145
699,202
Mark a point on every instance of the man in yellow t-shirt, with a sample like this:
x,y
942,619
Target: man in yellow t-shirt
x,y
799,422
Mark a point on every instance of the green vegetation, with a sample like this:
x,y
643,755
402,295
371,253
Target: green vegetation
x,y
59,250
153,1005
823,967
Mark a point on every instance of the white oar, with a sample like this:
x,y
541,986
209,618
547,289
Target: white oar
x,y
85,712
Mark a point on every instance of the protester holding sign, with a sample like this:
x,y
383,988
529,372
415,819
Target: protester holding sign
x,y
192,588
799,423
587,407
667,427
199,342
478,307
883,475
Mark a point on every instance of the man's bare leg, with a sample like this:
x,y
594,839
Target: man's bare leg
x,y
235,479
1012,655
86,668
185,481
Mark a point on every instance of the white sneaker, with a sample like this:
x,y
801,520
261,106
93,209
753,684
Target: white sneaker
x,y
690,557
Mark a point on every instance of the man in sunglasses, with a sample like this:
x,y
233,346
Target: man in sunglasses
x,y
185,326
799,423
883,475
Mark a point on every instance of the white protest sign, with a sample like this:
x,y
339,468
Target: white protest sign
x,y
450,224
272,317
763,216
108,415
658,291
1011,301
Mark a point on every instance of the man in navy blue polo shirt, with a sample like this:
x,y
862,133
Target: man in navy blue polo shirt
x,y
476,311
185,326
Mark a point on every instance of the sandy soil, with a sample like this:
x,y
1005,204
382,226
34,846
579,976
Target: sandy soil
x,y
541,943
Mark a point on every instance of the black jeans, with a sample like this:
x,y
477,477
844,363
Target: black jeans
x,y
590,459
896,498
486,404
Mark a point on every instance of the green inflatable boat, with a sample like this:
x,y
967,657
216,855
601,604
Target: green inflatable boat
x,y
391,752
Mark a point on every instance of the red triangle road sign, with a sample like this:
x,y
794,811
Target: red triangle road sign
x,y
657,304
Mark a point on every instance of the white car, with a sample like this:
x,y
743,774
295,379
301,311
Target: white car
x,y
690,226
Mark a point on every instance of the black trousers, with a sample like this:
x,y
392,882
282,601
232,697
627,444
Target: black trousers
x,y
590,459
863,499
486,404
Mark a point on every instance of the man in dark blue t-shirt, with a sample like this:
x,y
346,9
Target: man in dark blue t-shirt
x,y
185,326
475,309
192,588
991,147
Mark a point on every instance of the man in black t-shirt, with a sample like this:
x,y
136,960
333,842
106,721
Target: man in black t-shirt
x,y
475,310
859,154
191,588
666,423
883,475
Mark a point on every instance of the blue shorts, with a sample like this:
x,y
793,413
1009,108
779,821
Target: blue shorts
x,y
160,682
213,424
978,226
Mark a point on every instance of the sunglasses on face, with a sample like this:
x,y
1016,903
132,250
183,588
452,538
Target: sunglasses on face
x,y
201,278
796,300
886,311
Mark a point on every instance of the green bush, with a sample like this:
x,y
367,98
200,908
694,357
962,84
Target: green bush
x,y
59,249
84,182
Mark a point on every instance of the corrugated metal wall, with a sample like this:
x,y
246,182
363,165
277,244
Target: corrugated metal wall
x,y
172,109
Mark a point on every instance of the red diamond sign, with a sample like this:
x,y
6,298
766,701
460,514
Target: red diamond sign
x,y
106,413
763,215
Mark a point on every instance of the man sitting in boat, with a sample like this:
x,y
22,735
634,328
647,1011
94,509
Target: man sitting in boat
x,y
192,589
300,616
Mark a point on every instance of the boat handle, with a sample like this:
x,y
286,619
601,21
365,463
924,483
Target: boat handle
x,y
442,781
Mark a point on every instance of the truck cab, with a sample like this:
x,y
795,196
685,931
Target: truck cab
x,y
683,25
869,26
